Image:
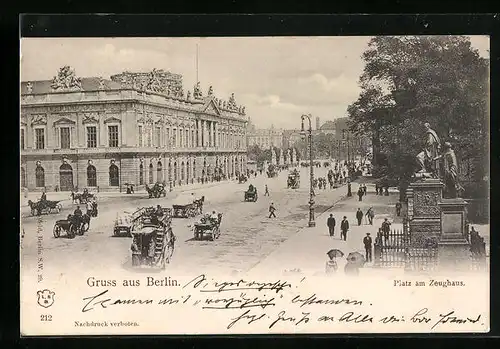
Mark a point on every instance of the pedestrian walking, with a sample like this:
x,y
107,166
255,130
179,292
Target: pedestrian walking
x,y
330,222
370,214
267,191
359,216
349,192
367,241
386,228
398,209
272,209
364,189
344,227
360,193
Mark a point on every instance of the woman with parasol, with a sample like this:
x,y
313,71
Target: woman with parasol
x,y
331,264
355,260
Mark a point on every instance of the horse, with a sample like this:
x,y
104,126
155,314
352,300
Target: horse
x,y
35,207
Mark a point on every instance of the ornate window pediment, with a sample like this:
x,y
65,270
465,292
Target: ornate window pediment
x,y
112,119
39,119
64,121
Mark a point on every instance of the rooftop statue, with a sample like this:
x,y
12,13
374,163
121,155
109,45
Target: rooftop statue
x,y
197,91
101,83
66,80
154,83
29,87
210,91
188,97
243,110
432,146
181,92
232,101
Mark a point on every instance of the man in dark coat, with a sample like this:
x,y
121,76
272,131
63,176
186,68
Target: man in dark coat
x,y
359,216
367,241
330,222
78,216
386,228
398,208
349,192
272,209
344,227
360,193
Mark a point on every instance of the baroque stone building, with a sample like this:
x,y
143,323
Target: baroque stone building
x,y
136,128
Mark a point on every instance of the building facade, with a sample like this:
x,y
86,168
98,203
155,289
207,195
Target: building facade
x,y
135,128
265,138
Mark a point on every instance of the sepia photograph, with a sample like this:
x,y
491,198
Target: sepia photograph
x,y
254,185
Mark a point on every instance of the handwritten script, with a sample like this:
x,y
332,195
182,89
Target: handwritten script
x,y
278,303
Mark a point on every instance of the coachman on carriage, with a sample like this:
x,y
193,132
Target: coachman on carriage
x,y
153,239
44,206
209,225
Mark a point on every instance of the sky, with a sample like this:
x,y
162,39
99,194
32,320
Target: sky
x,y
277,79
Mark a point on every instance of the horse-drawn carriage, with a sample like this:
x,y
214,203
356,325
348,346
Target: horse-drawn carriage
x,y
44,206
208,227
153,239
293,180
186,206
242,179
82,198
251,194
72,226
271,171
157,190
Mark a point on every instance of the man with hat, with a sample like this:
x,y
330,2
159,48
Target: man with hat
x,y
367,241
344,227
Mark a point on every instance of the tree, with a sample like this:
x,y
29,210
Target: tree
x,y
408,81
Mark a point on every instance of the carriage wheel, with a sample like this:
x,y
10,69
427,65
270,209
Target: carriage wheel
x,y
71,231
57,231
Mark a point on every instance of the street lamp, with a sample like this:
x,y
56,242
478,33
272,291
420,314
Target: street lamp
x,y
312,222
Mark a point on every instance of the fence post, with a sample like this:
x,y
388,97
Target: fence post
x,y
377,251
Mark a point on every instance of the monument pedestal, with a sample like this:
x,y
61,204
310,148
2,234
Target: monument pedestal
x,y
453,246
424,213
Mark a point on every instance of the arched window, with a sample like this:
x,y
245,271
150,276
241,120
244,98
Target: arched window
x,y
40,176
66,177
91,176
175,171
159,172
188,171
169,172
141,174
182,171
150,173
114,180
194,168
23,178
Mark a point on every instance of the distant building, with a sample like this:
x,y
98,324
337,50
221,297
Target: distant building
x,y
264,138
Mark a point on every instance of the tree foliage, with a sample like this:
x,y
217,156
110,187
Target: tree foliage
x,y
408,81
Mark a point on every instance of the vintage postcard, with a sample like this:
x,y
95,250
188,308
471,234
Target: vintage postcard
x,y
254,185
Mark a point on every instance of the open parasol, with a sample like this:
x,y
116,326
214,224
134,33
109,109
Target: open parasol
x,y
356,258
334,253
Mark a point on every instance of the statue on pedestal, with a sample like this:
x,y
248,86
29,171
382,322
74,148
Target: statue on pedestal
x,y
210,91
452,187
431,150
188,97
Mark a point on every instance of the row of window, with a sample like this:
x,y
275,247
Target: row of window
x,y
177,138
65,137
66,177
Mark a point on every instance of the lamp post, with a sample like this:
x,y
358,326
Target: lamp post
x,y
312,222
348,153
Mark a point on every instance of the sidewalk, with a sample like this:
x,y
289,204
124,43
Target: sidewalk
x,y
306,251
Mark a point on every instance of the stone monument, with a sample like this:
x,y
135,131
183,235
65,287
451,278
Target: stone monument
x,y
436,215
